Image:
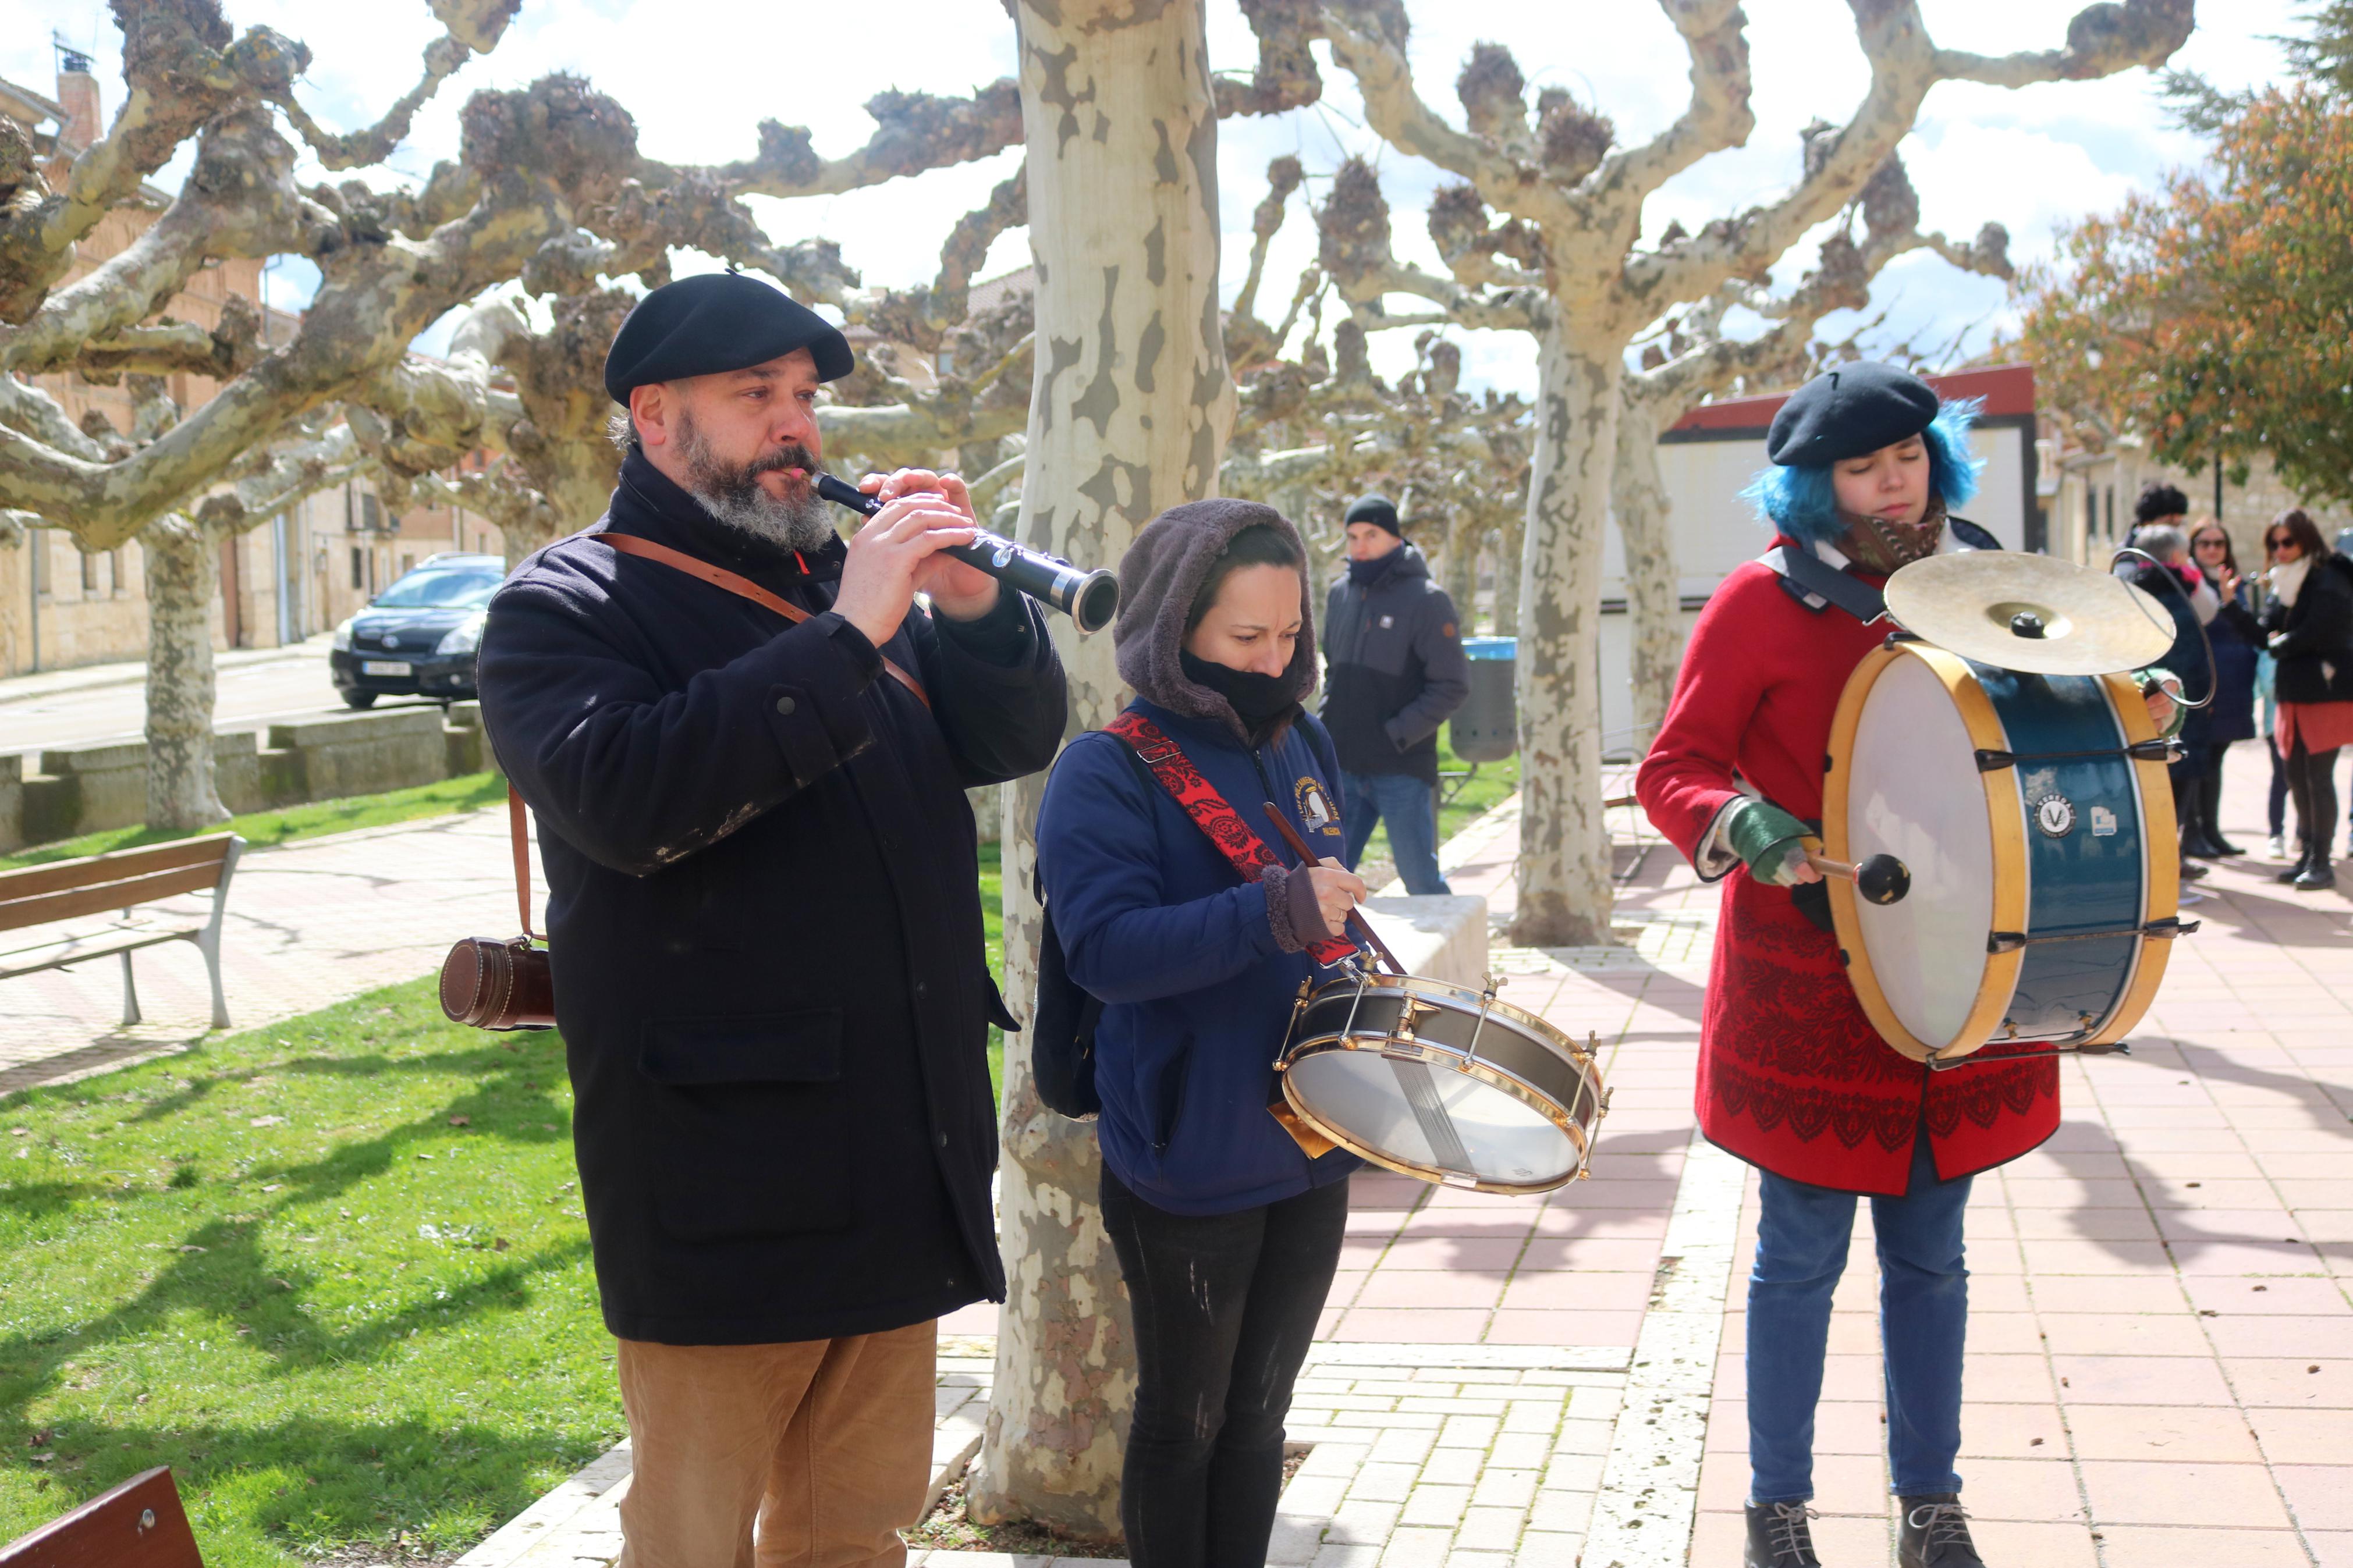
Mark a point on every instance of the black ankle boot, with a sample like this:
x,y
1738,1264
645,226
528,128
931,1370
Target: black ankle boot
x,y
1779,1537
1935,1533
2303,859
2316,875
2209,815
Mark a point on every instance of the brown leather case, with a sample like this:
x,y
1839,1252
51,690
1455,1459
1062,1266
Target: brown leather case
x,y
495,984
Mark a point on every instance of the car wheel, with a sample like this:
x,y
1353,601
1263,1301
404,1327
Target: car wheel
x,y
356,700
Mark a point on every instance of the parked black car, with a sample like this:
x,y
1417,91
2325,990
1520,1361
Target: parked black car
x,y
419,636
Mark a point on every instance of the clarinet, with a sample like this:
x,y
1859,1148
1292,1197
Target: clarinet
x,y
1089,598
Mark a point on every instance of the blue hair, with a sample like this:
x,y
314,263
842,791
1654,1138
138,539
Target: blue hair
x,y
1799,501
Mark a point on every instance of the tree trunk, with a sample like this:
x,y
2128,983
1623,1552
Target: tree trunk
x,y
183,565
1129,409
1511,543
1654,587
1463,536
1564,868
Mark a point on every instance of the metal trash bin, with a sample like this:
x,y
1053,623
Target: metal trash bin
x,y
1485,729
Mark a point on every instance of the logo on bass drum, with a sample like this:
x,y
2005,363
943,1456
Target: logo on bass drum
x,y
2055,815
1315,807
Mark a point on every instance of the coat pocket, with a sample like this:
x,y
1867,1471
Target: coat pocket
x,y
747,1128
1168,1107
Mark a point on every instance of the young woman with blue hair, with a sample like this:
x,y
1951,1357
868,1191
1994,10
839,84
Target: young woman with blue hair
x,y
1792,1076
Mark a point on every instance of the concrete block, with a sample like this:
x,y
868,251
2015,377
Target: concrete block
x,y
51,807
365,753
237,771
110,784
12,801
1441,937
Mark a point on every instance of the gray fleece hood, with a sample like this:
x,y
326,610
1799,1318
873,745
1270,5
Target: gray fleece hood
x,y
1158,577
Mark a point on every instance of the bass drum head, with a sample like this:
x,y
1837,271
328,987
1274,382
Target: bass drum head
x,y
1435,1123
1913,791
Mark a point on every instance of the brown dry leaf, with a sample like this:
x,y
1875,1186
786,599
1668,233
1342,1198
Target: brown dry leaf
x,y
461,1121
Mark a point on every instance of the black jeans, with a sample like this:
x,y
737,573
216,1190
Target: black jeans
x,y
1225,1308
2312,780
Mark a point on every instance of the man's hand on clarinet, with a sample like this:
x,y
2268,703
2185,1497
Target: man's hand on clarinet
x,y
896,555
1338,891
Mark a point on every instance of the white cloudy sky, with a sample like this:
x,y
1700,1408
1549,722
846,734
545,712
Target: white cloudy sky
x,y
699,77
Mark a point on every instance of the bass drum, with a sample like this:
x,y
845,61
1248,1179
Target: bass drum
x,y
2035,817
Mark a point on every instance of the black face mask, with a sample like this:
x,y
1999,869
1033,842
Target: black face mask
x,y
1257,700
1360,572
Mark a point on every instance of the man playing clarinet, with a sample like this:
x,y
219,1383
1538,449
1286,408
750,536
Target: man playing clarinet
x,y
748,747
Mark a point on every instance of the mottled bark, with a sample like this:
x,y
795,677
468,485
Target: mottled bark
x,y
1645,516
183,568
1564,866
1129,409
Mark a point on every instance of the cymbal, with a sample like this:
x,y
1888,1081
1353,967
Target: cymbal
x,y
2034,613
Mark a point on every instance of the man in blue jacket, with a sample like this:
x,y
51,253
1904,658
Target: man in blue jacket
x,y
765,929
1394,652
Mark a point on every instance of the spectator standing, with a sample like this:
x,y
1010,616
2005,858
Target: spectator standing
x,y
2230,716
2178,587
2308,627
1396,669
2267,718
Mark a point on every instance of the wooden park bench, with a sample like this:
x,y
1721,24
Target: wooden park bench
x,y
118,883
139,1524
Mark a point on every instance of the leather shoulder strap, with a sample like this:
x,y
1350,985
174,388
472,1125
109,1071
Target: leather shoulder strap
x,y
1199,799
522,834
1808,579
741,586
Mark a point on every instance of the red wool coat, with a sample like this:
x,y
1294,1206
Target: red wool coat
x,y
1792,1076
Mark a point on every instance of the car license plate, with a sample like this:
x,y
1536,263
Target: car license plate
x,y
384,666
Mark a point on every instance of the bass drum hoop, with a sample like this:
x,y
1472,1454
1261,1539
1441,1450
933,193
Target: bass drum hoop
x,y
1474,1068
1999,981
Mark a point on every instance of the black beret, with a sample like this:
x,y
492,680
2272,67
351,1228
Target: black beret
x,y
716,321
1849,411
1376,509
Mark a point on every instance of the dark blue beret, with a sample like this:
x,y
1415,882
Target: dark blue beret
x,y
1849,411
1376,509
716,321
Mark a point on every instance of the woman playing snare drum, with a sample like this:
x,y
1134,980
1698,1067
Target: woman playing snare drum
x,y
1793,1078
1227,1231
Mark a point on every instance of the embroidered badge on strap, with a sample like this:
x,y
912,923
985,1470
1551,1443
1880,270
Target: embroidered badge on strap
x,y
1199,799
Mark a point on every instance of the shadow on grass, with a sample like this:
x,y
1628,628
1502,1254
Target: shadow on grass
x,y
308,1484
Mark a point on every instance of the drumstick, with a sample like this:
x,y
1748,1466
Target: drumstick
x,y
1356,924
1882,879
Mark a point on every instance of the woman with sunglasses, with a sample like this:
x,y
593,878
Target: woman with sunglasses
x,y
2308,628
2210,729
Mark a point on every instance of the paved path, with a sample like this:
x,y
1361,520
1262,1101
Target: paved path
x,y
309,923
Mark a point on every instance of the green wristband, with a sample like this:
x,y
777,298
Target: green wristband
x,y
1760,833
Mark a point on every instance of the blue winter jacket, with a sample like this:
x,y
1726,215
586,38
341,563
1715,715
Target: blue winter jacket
x,y
1198,996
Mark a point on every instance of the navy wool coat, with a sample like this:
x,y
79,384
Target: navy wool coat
x,y
765,921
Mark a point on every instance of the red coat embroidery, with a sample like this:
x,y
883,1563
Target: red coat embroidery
x,y
1792,1076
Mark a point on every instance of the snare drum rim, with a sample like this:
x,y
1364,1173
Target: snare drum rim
x,y
2160,878
2005,812
1496,1007
1495,1077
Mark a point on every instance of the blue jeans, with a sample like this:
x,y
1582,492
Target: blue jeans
x,y
1924,1313
1411,808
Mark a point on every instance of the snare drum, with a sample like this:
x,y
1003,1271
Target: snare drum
x,y
1442,1082
2034,814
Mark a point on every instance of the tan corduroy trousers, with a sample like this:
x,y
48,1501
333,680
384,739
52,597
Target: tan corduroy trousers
x,y
822,1448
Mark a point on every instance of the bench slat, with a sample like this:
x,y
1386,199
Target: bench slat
x,y
70,903
139,1524
114,865
91,946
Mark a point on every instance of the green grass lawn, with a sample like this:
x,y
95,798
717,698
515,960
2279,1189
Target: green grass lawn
x,y
463,793
334,1273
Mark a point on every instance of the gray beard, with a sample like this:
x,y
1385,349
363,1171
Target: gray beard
x,y
732,494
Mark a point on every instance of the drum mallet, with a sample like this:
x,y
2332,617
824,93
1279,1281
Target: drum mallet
x,y
1882,879
1357,925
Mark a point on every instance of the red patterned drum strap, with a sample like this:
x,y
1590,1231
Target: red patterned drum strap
x,y
1201,801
